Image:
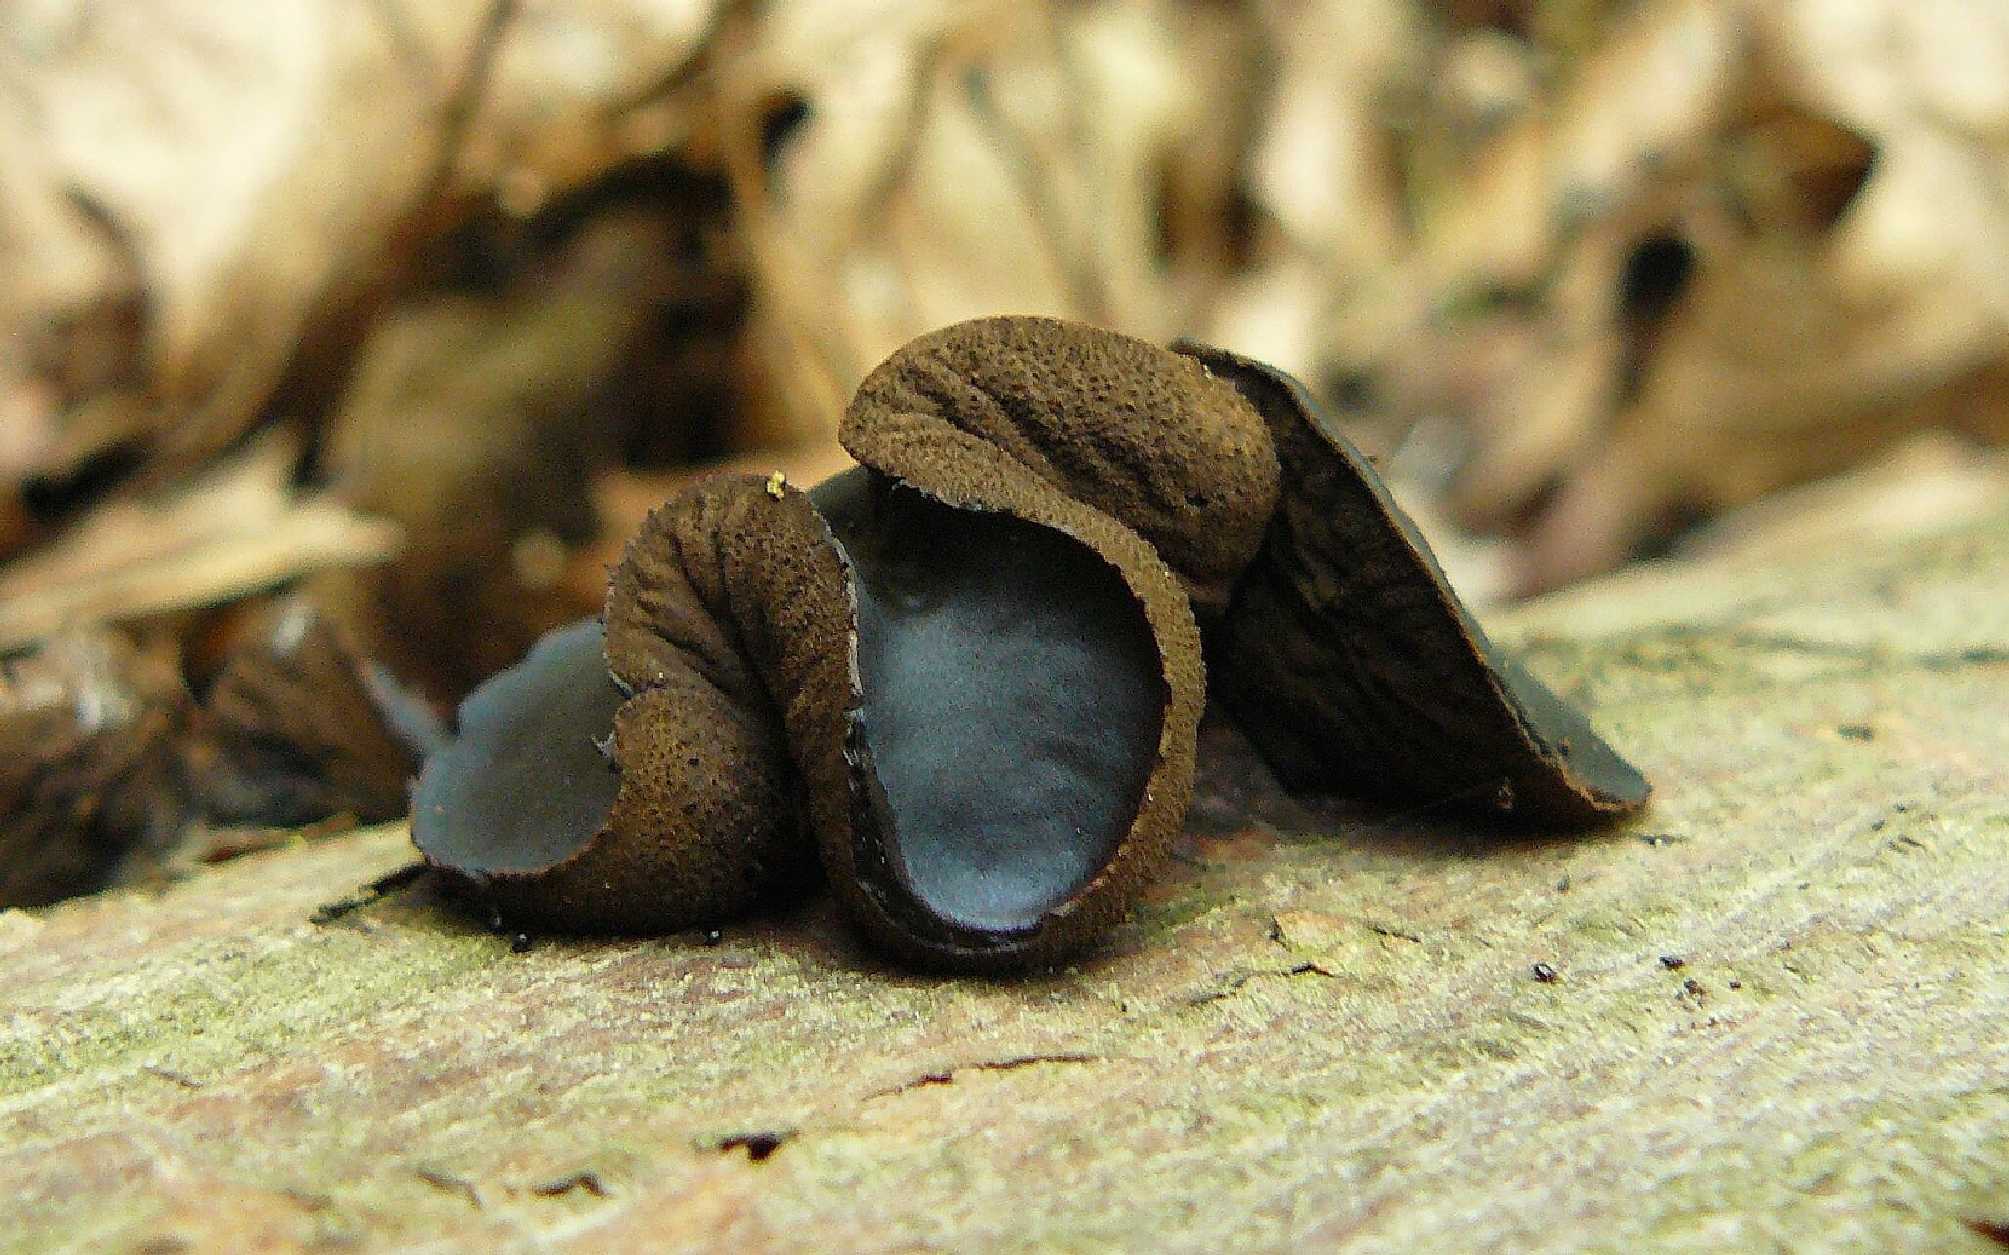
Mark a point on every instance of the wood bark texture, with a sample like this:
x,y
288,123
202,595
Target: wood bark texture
x,y
1771,1014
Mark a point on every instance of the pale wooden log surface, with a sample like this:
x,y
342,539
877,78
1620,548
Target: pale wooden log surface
x,y
1323,1031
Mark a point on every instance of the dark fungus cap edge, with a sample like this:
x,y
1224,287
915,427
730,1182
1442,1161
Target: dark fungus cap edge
x,y
522,789
1354,666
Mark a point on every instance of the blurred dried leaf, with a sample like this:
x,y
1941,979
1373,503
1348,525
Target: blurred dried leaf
x,y
476,423
900,166
237,529
1931,483
297,728
204,199
89,780
1759,241
1324,167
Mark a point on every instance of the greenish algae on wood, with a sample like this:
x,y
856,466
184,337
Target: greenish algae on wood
x,y
1325,1032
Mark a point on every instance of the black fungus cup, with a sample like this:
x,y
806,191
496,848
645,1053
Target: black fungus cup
x,y
1350,662
964,678
637,777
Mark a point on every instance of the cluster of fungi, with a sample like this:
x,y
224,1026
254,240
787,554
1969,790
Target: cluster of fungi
x,y
962,681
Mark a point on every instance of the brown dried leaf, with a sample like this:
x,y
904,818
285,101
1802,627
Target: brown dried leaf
x,y
298,728
1766,275
202,199
237,529
89,784
476,422
910,166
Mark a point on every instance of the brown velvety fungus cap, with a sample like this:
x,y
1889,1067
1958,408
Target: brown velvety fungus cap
x,y
1355,668
972,666
637,779
1028,668
1140,433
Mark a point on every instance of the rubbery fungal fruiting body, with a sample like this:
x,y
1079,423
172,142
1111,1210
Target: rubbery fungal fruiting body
x,y
965,678
1354,666
1019,753
683,804
1140,434
1010,701
526,784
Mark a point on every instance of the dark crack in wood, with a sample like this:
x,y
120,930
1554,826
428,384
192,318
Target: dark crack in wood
x,y
447,1183
590,1182
378,889
1236,985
